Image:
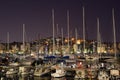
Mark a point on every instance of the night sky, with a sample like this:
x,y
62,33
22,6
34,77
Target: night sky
x,y
37,17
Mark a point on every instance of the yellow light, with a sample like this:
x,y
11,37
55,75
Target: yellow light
x,y
78,41
46,42
72,39
66,40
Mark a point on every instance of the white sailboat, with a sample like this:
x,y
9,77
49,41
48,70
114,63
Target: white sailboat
x,y
77,43
23,42
114,69
26,62
8,51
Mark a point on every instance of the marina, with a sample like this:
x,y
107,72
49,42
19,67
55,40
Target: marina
x,y
72,52
69,68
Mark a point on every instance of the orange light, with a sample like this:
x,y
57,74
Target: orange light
x,y
78,41
72,39
66,40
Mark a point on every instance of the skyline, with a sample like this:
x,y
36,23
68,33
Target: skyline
x,y
37,17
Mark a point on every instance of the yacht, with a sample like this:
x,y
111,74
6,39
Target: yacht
x,y
25,70
26,62
60,72
114,73
80,74
12,70
102,75
14,64
41,71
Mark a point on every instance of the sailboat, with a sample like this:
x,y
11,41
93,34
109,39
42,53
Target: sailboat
x,y
67,49
114,37
11,63
42,70
114,72
24,60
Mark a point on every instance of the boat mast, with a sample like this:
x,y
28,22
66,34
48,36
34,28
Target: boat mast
x,y
114,32
98,36
53,24
62,39
83,31
23,37
68,30
99,45
8,41
57,33
76,37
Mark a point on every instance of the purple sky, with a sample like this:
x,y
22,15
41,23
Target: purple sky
x,y
36,15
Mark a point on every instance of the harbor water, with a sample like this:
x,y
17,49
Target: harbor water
x,y
16,77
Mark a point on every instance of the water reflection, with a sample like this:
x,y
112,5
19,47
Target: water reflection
x,y
62,78
27,77
12,77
